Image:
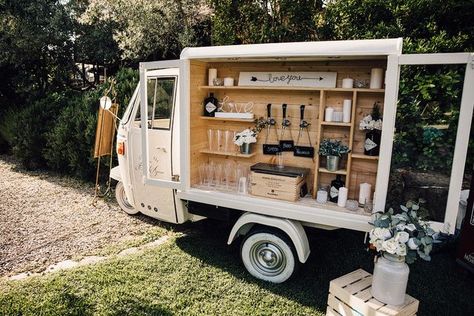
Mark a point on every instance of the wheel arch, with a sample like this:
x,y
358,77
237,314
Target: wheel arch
x,y
293,229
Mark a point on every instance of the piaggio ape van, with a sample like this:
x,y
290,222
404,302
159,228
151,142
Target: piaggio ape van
x,y
178,161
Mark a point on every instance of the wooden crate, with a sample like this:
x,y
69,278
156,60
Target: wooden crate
x,y
275,186
350,295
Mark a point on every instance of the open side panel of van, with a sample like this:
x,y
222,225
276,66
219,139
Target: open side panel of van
x,y
395,62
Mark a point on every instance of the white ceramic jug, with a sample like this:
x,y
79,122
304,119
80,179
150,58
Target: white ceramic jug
x,y
390,279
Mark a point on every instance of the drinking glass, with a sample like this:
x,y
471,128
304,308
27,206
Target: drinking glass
x,y
220,140
242,189
279,160
210,174
202,174
219,171
228,172
211,139
229,141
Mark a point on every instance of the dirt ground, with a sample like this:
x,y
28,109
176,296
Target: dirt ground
x,y
45,219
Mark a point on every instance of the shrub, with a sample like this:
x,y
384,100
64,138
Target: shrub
x,y
28,128
70,142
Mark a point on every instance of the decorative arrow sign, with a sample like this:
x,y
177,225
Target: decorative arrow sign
x,y
288,79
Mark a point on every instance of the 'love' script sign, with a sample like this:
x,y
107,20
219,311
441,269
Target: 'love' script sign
x,y
288,79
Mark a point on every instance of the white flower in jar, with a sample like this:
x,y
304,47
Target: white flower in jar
x,y
411,244
401,250
391,246
379,233
402,237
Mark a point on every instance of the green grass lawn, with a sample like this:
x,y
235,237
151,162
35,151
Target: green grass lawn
x,y
197,274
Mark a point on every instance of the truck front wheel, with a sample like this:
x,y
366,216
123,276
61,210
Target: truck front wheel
x,y
122,200
269,255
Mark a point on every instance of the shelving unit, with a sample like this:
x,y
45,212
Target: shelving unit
x,y
231,154
223,119
292,89
361,156
356,167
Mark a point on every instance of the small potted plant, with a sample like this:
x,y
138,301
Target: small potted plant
x,y
372,123
398,239
248,136
244,139
333,150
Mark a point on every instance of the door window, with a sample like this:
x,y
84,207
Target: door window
x,y
161,94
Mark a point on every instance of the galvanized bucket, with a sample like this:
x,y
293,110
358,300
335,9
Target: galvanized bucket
x,y
332,163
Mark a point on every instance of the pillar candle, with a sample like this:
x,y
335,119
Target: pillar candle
x,y
346,110
376,78
364,192
342,197
212,76
328,115
347,83
228,82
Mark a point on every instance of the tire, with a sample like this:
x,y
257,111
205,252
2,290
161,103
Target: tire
x,y
122,200
269,255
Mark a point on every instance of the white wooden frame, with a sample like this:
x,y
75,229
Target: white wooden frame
x,y
144,68
462,136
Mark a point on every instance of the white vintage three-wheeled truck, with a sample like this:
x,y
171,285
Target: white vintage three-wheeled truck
x,y
177,162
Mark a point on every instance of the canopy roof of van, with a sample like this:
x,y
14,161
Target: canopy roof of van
x,y
298,50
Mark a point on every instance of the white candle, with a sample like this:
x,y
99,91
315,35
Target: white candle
x,y
328,115
364,192
228,82
342,198
212,76
347,83
322,196
376,77
346,110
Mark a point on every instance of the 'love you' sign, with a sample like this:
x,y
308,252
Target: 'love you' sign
x,y
288,79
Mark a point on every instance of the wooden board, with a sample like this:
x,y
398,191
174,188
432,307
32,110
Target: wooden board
x,y
105,131
350,295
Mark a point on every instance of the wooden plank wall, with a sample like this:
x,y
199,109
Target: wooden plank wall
x,y
362,170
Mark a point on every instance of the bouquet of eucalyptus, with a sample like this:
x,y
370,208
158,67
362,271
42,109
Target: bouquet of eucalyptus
x,y
330,147
403,234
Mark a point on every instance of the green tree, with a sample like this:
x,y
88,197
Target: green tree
x,y
150,29
264,21
35,49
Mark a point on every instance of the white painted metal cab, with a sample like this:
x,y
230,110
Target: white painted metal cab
x,y
162,141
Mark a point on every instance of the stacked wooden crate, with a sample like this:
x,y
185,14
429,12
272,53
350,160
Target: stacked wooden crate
x,y
350,295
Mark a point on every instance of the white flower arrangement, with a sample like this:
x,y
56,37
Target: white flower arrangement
x,y
247,136
403,235
367,123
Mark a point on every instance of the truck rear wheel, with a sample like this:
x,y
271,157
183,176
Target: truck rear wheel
x,y
122,200
269,255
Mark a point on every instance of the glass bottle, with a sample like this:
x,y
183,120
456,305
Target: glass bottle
x,y
334,190
210,105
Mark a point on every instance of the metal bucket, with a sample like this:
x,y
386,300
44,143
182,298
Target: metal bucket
x,y
245,149
332,163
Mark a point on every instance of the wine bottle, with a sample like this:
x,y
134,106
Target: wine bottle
x,y
334,191
210,105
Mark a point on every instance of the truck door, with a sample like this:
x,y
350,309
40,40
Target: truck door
x,y
155,142
395,63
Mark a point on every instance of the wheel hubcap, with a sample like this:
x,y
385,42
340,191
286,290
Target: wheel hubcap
x,y
124,199
267,258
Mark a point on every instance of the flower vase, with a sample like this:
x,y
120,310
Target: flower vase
x,y
390,279
332,163
245,149
372,143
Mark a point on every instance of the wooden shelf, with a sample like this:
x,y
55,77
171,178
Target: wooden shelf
x,y
340,171
221,153
336,124
244,120
362,156
292,89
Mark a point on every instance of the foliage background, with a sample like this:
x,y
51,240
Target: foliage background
x,y
48,122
